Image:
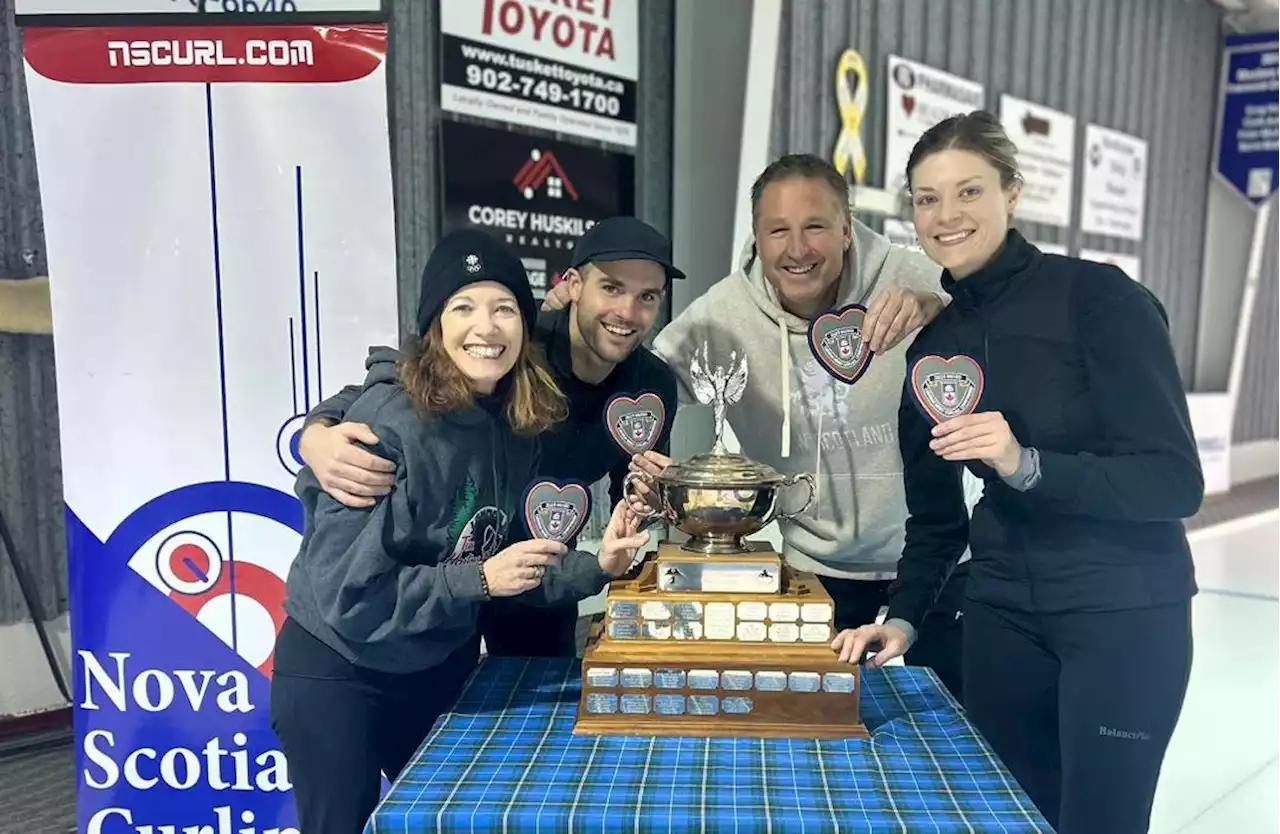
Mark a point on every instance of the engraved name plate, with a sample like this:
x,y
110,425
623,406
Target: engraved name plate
x,y
735,680
600,676
668,704
637,678
815,633
687,629
752,632
771,681
624,630
815,612
805,682
655,611
784,632
838,682
635,704
686,610
657,630
736,705
703,704
720,620
602,704
703,679
784,612
620,610
719,577
668,678
752,610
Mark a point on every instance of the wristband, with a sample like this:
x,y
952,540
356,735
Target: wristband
x,y
484,581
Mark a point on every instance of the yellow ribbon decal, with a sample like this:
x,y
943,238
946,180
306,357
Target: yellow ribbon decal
x,y
851,99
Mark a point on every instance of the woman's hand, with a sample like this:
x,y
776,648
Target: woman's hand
x,y
652,464
520,567
621,541
853,643
984,436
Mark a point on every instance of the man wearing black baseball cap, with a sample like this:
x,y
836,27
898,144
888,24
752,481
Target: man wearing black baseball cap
x,y
618,276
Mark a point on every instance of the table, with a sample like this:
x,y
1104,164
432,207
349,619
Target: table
x,y
506,760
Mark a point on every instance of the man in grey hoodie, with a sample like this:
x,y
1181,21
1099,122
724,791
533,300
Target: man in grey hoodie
x,y
808,256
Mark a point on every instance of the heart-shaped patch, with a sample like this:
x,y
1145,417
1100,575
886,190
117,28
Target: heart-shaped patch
x,y
946,388
556,510
635,423
835,339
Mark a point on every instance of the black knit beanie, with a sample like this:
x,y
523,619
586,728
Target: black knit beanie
x,y
464,257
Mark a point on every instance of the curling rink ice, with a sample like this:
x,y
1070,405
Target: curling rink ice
x,y
1221,775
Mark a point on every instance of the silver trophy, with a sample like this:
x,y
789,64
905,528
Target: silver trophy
x,y
720,498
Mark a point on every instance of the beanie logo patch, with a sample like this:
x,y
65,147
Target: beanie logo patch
x,y
473,264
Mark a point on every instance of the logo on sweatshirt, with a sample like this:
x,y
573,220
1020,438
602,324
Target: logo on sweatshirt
x,y
946,388
478,529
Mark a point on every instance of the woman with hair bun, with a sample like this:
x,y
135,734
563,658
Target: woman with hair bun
x,y
1053,380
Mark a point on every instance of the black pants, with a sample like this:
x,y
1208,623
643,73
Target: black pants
x,y
513,629
939,639
341,726
1080,706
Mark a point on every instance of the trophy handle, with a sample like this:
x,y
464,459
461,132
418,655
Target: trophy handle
x,y
791,481
649,512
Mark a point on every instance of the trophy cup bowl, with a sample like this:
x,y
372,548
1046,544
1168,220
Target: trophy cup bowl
x,y
719,499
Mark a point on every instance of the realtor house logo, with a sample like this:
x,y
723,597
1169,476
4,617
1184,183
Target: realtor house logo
x,y
542,171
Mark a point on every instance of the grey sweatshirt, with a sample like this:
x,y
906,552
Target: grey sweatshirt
x,y
855,527
397,587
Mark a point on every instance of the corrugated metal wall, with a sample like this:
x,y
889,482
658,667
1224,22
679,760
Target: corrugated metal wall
x,y
1145,67
1258,409
30,465
21,226
30,487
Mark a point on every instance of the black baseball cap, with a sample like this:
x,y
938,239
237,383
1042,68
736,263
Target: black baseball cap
x,y
624,239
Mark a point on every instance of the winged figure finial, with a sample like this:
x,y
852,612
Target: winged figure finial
x,y
718,388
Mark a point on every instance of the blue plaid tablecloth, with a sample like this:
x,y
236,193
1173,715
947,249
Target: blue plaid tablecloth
x,y
506,760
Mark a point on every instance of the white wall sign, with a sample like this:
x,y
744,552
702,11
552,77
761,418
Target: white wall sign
x,y
1046,141
1050,248
1114,196
101,7
1211,420
571,68
919,97
1131,264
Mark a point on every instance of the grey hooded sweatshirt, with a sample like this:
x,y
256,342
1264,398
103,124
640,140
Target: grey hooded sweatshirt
x,y
797,418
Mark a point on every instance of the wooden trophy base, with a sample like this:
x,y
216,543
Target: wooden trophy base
x,y
711,662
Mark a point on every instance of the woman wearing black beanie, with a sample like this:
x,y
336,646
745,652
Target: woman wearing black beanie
x,y
1052,379
382,601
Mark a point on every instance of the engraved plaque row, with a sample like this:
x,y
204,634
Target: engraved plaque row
x,y
788,622
637,704
605,677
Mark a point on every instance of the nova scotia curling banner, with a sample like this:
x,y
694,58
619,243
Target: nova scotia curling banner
x,y
218,210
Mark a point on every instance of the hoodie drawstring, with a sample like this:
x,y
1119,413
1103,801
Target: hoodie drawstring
x,y
817,466
786,388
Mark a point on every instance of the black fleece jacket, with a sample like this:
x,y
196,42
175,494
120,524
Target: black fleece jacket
x,y
1077,357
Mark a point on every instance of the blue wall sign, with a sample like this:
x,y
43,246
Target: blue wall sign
x,y
1248,156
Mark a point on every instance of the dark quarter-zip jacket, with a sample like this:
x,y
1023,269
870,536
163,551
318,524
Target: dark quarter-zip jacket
x,y
1077,357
